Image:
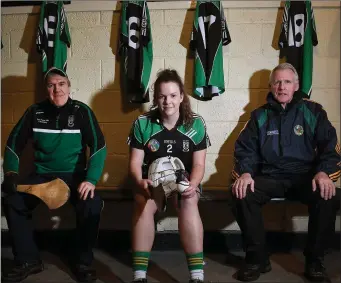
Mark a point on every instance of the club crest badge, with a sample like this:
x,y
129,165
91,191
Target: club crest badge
x,y
71,121
153,145
298,130
185,146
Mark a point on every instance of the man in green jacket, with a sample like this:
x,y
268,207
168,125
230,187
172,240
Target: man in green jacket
x,y
61,129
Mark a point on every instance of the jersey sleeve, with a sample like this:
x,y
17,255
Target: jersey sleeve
x,y
16,142
135,136
146,35
225,34
203,140
94,139
64,30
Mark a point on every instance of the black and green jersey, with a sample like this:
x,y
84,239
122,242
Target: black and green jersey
x,y
157,141
53,37
297,38
60,138
209,34
136,50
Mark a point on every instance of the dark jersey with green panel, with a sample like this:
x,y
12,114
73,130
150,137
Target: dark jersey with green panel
x,y
60,136
53,36
150,135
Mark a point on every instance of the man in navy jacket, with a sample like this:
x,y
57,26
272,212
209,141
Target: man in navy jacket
x,y
289,149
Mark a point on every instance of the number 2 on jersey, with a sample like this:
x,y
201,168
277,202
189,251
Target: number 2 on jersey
x,y
169,148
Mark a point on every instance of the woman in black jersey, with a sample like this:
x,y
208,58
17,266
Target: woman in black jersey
x,y
169,129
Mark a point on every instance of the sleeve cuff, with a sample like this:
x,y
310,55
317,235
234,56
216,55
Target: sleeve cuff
x,y
91,181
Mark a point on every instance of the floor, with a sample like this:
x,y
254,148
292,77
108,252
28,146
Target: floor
x,y
170,266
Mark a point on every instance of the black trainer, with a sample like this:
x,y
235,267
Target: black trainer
x,y
21,270
251,272
141,280
315,271
85,274
195,281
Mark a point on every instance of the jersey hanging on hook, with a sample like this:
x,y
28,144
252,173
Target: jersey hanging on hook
x,y
135,50
53,36
296,41
209,34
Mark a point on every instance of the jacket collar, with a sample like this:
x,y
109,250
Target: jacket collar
x,y
54,109
276,106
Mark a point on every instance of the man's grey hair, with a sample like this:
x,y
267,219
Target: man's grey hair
x,y
284,66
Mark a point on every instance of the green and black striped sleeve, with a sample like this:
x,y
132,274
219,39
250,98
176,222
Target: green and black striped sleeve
x,y
135,138
94,139
16,142
201,141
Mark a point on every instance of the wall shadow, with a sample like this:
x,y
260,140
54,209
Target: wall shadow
x,y
28,90
111,105
256,98
28,44
114,42
184,41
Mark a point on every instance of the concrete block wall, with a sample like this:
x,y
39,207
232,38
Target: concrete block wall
x,y
94,71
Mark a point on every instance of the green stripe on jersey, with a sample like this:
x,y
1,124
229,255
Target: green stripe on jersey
x,y
197,132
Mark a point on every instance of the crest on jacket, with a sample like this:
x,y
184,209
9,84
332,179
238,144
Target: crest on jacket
x,y
298,130
71,121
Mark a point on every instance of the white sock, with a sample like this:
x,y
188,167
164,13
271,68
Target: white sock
x,y
139,274
197,274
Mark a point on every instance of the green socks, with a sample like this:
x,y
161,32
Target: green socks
x,y
195,265
140,264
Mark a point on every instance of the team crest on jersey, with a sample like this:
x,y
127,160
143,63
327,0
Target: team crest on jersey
x,y
71,121
298,130
153,145
185,146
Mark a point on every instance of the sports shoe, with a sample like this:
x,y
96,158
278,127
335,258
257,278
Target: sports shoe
x,y
251,272
315,270
21,270
85,273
